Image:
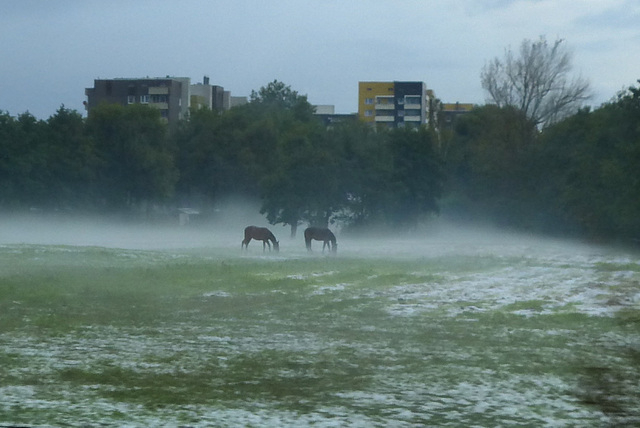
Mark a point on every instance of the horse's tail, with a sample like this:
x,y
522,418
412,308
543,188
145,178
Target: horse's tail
x,y
307,239
247,236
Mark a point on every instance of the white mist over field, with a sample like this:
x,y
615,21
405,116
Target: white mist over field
x,y
224,229
438,238
450,324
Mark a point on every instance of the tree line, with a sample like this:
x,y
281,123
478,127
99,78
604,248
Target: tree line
x,y
578,175
274,149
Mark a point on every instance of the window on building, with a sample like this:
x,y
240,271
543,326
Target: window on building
x,y
158,98
368,113
384,100
144,99
131,99
411,99
368,101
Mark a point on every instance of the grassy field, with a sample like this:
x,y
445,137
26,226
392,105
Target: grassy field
x,y
200,337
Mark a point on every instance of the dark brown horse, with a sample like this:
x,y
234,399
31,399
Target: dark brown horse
x,y
259,234
321,234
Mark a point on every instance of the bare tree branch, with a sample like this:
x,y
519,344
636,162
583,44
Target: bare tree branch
x,y
536,81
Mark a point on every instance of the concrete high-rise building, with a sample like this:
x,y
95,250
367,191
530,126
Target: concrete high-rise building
x,y
170,95
173,96
394,104
213,97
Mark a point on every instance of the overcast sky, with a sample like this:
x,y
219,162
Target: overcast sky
x,y
51,50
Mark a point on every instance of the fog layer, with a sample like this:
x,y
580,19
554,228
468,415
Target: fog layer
x,y
440,237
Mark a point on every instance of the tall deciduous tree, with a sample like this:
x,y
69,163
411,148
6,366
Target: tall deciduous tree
x,y
295,163
416,178
71,162
365,172
536,81
215,156
22,160
302,186
490,164
137,164
593,158
277,97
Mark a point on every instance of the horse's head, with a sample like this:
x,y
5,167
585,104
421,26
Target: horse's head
x,y
276,245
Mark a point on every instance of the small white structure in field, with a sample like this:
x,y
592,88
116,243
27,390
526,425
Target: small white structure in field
x,y
184,216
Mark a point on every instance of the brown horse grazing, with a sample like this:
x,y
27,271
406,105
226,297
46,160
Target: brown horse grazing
x,y
321,234
259,234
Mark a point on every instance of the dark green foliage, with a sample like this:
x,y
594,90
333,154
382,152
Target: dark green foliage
x,y
212,158
22,160
578,176
366,171
273,149
135,156
277,97
347,173
71,162
490,166
416,180
594,160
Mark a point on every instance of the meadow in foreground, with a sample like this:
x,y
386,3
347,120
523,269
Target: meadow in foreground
x,y
200,337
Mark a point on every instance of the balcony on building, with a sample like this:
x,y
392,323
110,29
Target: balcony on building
x,y
159,100
385,102
384,119
412,102
158,90
385,115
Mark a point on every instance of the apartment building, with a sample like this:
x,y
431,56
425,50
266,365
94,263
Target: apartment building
x,y
206,95
394,104
213,97
173,96
170,95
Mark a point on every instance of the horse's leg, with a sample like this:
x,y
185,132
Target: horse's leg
x,y
308,242
245,243
268,244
